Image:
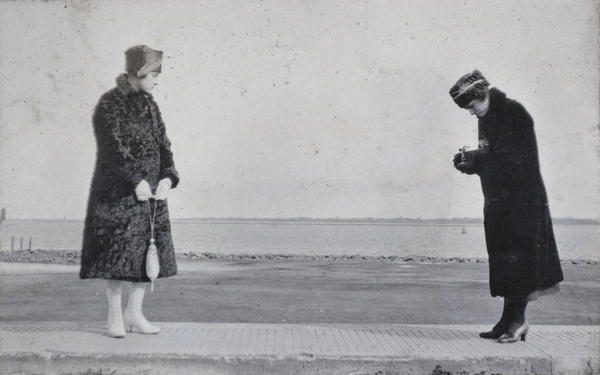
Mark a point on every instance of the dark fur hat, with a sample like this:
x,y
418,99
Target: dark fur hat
x,y
469,87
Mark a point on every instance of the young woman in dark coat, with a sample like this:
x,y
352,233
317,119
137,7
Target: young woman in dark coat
x,y
523,258
133,174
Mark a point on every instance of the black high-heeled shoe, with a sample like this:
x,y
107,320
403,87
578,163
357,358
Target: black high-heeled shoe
x,y
515,333
503,324
498,330
495,333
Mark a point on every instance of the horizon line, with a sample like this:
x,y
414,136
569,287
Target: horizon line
x,y
337,219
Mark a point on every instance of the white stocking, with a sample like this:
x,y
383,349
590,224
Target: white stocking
x,y
134,318
114,290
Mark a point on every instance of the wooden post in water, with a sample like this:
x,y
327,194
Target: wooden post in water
x,y
29,243
12,243
21,248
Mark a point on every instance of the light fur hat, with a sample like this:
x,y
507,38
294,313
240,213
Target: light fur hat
x,y
141,60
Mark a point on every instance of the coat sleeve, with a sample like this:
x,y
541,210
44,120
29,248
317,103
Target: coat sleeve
x,y
524,155
515,151
114,153
167,164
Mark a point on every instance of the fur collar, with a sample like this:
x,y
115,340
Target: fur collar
x,y
497,100
126,89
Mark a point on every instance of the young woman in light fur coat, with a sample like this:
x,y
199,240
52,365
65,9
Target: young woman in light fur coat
x,y
134,172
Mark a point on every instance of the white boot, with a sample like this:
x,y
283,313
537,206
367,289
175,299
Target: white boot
x,y
114,289
133,316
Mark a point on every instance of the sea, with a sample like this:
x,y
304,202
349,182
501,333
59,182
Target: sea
x,y
306,238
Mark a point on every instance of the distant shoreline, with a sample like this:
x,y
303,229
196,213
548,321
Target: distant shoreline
x,y
334,221
73,257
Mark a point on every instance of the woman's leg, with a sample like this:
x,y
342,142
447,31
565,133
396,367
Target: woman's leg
x,y
518,309
502,326
133,314
518,327
114,290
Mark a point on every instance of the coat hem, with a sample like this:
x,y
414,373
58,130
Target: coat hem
x,y
133,279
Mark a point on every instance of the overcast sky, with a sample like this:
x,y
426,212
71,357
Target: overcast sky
x,y
318,109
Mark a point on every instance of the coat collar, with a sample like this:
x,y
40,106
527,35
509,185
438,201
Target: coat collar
x,y
497,100
126,89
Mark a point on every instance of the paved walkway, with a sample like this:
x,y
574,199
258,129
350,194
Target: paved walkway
x,y
211,348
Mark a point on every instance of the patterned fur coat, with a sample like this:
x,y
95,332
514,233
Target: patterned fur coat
x,y
132,145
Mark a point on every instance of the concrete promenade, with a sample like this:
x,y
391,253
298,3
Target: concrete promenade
x,y
240,348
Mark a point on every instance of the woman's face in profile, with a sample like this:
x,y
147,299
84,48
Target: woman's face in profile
x,y
478,107
149,81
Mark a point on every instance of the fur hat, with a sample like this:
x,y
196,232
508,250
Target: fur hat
x,y
469,87
141,60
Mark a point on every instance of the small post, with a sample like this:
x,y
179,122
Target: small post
x,y
29,243
21,248
12,243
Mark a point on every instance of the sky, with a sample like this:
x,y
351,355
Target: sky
x,y
284,109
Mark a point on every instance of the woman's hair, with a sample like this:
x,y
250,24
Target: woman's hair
x,y
469,87
135,76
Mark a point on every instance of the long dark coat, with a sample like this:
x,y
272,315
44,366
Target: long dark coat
x,y
132,145
523,257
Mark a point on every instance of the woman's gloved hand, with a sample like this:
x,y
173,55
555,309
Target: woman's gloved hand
x,y
457,159
163,188
143,191
463,166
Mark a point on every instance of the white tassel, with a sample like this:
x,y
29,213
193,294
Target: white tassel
x,y
152,263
